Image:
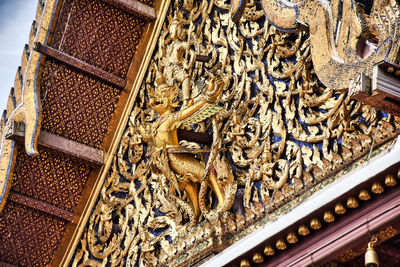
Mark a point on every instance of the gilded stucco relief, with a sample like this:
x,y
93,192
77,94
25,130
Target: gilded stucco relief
x,y
276,132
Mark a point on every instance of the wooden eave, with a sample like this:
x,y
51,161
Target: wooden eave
x,y
95,155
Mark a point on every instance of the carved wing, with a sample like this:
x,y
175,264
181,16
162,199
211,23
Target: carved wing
x,y
205,112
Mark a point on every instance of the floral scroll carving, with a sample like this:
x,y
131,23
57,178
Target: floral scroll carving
x,y
277,132
347,38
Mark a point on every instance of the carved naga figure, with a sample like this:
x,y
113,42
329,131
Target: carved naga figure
x,y
346,38
177,163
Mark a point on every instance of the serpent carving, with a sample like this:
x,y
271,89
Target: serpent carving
x,y
345,41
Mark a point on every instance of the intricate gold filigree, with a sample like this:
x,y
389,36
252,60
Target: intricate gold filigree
x,y
279,132
346,38
177,163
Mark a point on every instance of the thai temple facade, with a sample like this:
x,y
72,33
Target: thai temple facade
x,y
204,133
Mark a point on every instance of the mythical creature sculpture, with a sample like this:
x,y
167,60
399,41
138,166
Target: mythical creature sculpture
x,y
181,167
346,40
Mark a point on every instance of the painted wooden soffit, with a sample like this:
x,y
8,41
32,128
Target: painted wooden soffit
x,y
80,65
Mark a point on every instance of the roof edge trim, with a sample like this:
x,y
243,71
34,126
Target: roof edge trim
x,y
29,110
318,200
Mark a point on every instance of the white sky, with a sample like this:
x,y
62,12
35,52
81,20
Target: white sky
x,y
16,17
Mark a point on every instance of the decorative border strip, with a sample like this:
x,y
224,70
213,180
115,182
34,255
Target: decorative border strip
x,y
306,195
356,227
264,224
28,111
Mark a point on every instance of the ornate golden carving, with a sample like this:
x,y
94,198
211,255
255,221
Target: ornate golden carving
x,y
280,244
344,43
292,238
176,68
258,258
245,263
340,209
276,133
329,217
174,161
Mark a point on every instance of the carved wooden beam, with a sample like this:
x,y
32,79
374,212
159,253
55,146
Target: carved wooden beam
x,y
382,91
40,206
386,79
135,8
80,65
77,150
